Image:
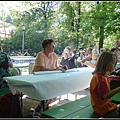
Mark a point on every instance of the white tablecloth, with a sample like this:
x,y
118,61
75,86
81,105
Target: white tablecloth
x,y
49,84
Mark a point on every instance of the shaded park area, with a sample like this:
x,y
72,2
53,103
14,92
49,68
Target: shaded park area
x,y
81,31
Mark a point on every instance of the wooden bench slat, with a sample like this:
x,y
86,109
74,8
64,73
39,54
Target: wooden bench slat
x,y
116,98
4,91
86,112
68,108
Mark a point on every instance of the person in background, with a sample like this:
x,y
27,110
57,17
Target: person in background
x,y
81,53
68,58
12,70
117,46
102,50
5,71
113,50
66,53
5,65
81,57
72,49
95,46
26,53
88,56
92,63
100,92
46,60
15,71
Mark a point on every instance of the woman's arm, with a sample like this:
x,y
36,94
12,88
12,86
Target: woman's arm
x,y
89,64
62,68
111,93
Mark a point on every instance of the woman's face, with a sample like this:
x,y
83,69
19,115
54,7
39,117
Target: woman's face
x,y
89,51
67,50
50,47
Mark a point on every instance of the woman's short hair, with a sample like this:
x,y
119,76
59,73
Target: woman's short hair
x,y
47,41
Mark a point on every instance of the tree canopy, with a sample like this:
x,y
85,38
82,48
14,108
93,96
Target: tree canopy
x,y
82,24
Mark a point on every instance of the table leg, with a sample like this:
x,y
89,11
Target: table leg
x,y
44,104
17,106
21,102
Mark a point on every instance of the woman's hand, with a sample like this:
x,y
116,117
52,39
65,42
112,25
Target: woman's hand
x,y
63,68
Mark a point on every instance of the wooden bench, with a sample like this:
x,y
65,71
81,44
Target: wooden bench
x,y
86,112
80,108
4,91
116,98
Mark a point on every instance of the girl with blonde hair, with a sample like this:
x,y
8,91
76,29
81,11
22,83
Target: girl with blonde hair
x,y
100,92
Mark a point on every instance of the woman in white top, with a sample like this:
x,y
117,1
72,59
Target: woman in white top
x,y
92,63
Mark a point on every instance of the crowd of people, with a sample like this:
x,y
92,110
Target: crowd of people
x,y
85,57
103,61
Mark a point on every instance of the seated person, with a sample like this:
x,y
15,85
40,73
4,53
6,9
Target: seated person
x,y
5,65
68,58
92,63
81,54
100,91
114,50
102,50
46,60
117,46
88,57
66,53
81,57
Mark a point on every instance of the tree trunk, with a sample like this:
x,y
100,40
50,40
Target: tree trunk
x,y
78,23
101,37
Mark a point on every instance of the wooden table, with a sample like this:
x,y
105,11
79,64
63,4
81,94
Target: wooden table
x,y
50,84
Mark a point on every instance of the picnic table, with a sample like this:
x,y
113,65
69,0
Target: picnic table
x,y
50,84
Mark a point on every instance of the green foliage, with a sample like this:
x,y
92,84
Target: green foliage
x,y
69,23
